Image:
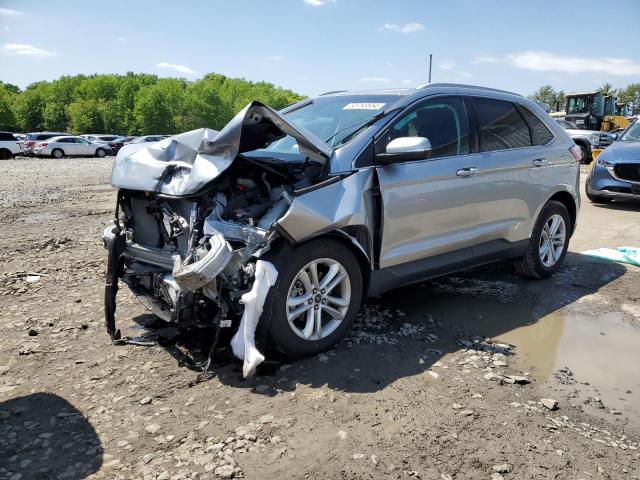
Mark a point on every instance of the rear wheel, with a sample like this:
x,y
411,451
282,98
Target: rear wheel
x,y
316,297
548,243
101,152
57,153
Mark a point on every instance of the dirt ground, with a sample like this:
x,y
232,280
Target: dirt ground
x,y
441,380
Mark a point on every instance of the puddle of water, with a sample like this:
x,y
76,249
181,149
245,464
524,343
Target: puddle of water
x,y
601,349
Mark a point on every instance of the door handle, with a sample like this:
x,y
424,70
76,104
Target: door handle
x,y
539,162
467,172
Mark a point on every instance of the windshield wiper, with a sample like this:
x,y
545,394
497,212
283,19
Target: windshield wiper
x,y
361,124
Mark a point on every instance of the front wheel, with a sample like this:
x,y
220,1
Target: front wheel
x,y
316,297
548,243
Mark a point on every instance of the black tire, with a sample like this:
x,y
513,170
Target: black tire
x,y
289,261
101,153
5,154
57,153
530,265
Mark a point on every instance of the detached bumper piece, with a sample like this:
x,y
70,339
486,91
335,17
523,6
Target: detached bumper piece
x,y
116,244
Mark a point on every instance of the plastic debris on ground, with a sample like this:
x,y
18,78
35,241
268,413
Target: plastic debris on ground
x,y
630,255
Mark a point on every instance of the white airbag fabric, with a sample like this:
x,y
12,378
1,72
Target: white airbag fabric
x,y
243,342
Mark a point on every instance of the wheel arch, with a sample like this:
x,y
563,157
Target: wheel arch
x,y
569,202
356,239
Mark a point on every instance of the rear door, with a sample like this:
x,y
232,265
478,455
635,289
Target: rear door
x,y
509,167
429,205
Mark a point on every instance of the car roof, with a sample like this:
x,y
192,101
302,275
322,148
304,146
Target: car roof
x,y
426,89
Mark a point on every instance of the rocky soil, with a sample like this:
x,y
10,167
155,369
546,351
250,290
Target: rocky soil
x,y
423,387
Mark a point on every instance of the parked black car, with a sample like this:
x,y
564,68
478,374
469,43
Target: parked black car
x,y
119,142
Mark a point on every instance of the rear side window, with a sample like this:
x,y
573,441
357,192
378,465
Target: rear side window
x,y
442,120
500,126
6,136
541,134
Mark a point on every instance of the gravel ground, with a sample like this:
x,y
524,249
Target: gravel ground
x,y
469,376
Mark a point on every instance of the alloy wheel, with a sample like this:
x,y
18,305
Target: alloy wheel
x,y
318,299
552,240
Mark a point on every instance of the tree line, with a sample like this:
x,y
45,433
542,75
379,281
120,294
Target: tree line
x,y
556,99
132,104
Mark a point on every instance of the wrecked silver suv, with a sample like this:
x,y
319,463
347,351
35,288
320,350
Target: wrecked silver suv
x,y
282,222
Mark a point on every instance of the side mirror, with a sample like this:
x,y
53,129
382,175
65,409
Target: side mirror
x,y
405,148
614,136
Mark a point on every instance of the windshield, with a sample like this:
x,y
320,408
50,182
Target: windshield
x,y
632,134
333,119
578,105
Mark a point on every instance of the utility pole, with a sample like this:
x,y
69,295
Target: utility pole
x,y
430,62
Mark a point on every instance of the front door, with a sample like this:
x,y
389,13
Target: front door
x,y
429,205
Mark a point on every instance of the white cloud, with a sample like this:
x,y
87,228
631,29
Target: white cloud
x,y
178,68
411,27
318,3
464,74
388,64
26,50
375,80
550,62
7,12
275,58
122,39
407,82
448,65
479,60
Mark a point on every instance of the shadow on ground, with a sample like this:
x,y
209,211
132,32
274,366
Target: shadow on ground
x,y
42,436
484,302
626,205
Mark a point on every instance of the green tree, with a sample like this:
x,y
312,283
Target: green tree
x,y
631,94
607,89
85,117
7,117
545,94
157,106
55,117
29,108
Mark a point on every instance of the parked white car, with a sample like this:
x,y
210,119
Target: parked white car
x,y
69,146
9,145
100,137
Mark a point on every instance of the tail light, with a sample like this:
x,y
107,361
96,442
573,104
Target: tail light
x,y
43,144
576,151
30,143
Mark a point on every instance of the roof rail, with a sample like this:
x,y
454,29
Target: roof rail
x,y
460,85
332,91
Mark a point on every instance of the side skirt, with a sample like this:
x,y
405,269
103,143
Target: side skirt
x,y
398,276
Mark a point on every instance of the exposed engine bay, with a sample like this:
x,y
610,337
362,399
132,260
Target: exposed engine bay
x,y
191,256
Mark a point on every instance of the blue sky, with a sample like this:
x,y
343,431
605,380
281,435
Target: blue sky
x,y
312,46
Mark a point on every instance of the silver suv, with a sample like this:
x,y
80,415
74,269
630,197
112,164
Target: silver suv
x,y
289,219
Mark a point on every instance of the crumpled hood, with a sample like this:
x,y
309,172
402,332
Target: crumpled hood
x,y
184,164
627,152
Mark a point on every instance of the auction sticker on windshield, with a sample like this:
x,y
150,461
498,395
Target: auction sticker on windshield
x,y
363,106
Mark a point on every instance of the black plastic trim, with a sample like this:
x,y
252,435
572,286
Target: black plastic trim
x,y
398,276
